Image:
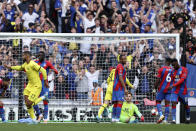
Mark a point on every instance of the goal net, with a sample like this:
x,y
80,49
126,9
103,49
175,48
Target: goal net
x,y
84,62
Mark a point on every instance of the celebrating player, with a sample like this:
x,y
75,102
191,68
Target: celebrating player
x,y
128,110
179,89
163,81
108,96
4,83
32,91
119,89
46,65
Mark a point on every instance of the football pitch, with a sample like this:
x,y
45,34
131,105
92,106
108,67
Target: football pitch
x,y
96,127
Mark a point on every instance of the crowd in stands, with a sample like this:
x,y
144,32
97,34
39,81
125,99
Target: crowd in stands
x,y
84,67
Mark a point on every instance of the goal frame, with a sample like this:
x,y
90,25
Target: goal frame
x,y
68,35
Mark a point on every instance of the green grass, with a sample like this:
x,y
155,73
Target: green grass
x,y
96,127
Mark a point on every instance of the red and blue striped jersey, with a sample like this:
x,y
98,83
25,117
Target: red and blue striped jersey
x,y
46,65
164,73
179,81
120,71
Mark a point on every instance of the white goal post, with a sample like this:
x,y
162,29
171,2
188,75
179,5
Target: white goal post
x,y
68,109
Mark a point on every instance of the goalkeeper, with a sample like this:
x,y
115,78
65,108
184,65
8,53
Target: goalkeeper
x,y
108,96
128,110
32,91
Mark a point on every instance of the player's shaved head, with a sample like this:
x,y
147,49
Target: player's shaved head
x,y
174,60
42,53
168,61
175,64
41,56
123,59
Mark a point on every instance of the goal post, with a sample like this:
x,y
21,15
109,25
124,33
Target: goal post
x,y
71,98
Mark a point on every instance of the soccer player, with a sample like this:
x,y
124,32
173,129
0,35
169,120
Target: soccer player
x,y
163,81
128,110
32,91
4,83
179,89
46,65
108,96
119,89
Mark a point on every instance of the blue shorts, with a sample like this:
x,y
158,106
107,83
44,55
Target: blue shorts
x,y
184,98
44,89
163,96
118,95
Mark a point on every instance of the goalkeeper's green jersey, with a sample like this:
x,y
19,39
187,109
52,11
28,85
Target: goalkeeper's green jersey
x,y
128,109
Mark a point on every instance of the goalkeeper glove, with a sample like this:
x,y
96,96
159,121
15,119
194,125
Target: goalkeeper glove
x,y
142,118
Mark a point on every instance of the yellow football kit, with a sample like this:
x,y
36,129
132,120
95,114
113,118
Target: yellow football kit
x,y
34,85
110,82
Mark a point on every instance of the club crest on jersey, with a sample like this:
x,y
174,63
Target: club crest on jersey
x,y
44,64
177,78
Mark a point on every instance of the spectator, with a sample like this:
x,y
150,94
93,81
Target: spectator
x,y
89,20
29,16
146,82
82,85
102,58
134,73
193,27
58,8
51,78
190,51
9,13
92,75
97,28
61,90
65,65
25,3
87,62
72,74
85,47
48,28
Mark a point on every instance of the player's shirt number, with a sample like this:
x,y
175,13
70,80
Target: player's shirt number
x,y
168,78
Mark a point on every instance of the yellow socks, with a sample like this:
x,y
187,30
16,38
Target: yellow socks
x,y
101,109
31,113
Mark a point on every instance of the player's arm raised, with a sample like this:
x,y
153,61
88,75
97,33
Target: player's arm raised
x,y
18,67
43,71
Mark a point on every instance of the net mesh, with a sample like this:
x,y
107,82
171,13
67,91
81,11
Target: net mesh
x,y
81,61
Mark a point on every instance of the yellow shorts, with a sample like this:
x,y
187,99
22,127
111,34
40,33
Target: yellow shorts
x,y
32,91
108,95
